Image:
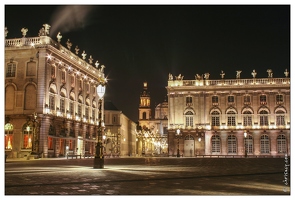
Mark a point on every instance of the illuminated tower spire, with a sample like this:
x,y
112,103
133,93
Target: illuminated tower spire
x,y
144,106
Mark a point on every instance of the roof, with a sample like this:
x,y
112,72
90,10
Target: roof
x,y
108,105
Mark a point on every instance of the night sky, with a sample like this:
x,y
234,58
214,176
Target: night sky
x,y
140,43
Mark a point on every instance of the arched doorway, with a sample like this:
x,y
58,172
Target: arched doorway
x,y
189,146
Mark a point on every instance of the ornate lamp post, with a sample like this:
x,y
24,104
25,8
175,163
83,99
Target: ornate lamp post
x,y
245,136
178,135
99,157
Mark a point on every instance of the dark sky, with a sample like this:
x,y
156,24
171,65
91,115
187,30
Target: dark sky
x,y
140,43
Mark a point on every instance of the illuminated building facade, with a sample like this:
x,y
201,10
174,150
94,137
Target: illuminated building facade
x,y
229,117
151,134
51,102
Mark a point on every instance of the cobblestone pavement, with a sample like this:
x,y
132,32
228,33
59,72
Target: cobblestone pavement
x,y
148,176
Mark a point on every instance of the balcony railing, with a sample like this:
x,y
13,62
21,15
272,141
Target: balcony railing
x,y
230,82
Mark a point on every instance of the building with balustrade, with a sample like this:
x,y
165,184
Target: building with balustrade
x,y
229,117
51,103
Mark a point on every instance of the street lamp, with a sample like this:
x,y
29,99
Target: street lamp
x,y
99,157
177,136
245,136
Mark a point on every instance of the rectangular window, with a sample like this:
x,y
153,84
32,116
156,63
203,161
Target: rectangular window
x,y
93,114
231,120
62,105
63,76
79,110
280,120
71,108
279,99
87,113
231,99
215,121
263,99
247,99
247,120
189,121
263,120
11,68
215,100
51,102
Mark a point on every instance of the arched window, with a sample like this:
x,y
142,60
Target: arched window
x,y
280,118
263,116
8,136
264,144
231,118
215,144
249,144
281,144
247,118
215,118
189,119
27,136
231,144
144,115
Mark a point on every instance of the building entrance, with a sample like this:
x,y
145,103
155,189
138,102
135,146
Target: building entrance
x,y
189,146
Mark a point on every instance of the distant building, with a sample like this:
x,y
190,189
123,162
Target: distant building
x,y
151,135
120,132
51,101
229,117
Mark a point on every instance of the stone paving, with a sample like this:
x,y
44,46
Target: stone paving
x,y
148,176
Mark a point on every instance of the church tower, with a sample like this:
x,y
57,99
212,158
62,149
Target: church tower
x,y
144,107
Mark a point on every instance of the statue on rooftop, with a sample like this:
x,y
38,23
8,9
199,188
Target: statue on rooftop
x,y
101,68
69,44
206,76
238,74
222,74
84,55
24,31
179,77
170,77
286,73
46,29
59,36
198,77
269,71
254,73
77,50
5,31
96,64
90,59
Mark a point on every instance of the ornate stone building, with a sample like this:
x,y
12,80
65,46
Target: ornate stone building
x,y
51,102
151,135
229,117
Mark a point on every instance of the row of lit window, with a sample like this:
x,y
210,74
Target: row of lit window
x,y
264,144
247,99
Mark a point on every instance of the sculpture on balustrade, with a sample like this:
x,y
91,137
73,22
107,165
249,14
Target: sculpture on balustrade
x,y
44,30
286,73
101,68
254,73
90,59
170,78
59,36
238,74
84,55
69,44
222,74
198,77
77,50
269,72
206,76
24,31
179,77
96,64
